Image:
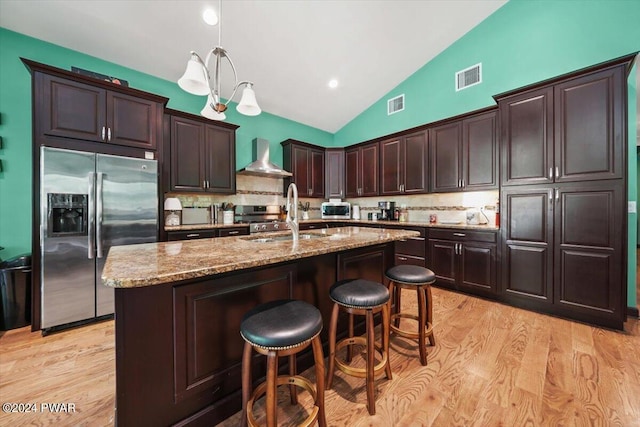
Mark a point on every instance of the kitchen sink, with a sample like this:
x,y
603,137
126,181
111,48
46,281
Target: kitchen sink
x,y
285,237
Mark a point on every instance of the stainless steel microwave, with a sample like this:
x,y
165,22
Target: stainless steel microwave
x,y
336,210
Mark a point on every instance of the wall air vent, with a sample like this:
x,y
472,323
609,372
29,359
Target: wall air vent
x,y
469,77
395,105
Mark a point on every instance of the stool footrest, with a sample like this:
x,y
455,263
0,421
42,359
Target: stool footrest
x,y
360,372
428,330
296,380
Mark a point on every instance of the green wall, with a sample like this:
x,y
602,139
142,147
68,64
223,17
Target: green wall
x,y
523,42
15,125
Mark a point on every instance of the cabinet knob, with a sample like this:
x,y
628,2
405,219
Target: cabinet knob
x,y
190,235
104,130
233,232
459,234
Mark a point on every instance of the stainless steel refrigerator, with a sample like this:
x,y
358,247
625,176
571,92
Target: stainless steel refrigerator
x,y
89,202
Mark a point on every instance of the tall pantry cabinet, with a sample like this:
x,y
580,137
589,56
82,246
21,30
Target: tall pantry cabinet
x,y
563,198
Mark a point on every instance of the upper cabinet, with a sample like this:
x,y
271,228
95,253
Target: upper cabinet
x,y
75,107
334,173
464,154
202,155
306,163
564,132
361,170
404,164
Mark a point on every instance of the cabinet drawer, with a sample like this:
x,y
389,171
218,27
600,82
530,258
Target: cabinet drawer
x,y
233,231
402,259
190,235
415,246
463,235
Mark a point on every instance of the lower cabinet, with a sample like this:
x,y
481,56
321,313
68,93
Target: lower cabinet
x,y
465,260
207,233
413,250
563,250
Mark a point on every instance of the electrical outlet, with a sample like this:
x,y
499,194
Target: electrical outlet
x,y
631,207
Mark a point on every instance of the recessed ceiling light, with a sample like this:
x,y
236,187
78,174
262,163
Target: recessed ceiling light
x,y
210,17
333,83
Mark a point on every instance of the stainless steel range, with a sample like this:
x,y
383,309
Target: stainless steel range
x,y
261,218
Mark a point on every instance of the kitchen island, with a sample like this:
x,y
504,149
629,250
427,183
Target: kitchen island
x,y
179,306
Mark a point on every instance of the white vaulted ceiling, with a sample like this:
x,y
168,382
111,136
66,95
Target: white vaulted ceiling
x,y
290,49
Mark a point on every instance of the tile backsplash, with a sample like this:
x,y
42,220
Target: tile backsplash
x,y
253,190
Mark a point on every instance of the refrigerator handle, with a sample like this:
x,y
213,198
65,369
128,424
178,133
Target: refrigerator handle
x,y
91,243
99,215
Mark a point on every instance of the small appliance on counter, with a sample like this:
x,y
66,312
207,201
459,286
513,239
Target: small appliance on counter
x,y
388,211
173,206
336,209
475,217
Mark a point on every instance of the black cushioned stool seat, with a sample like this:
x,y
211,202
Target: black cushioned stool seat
x,y
419,279
365,298
275,329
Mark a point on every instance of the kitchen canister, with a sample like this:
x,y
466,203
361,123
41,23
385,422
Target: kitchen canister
x,y
227,217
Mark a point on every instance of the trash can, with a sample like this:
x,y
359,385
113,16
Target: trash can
x,y
15,292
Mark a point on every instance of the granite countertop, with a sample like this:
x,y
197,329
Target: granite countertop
x,y
164,262
460,225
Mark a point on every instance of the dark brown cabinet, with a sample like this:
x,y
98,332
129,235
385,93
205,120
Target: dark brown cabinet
x,y
207,233
464,154
465,260
79,110
412,250
565,132
306,162
334,173
361,170
563,196
563,250
202,155
404,164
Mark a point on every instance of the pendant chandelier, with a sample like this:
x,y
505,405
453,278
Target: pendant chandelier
x,y
198,80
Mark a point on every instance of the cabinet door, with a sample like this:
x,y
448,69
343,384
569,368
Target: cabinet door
x,y
316,173
480,153
131,121
72,110
391,166
527,138
442,261
351,172
369,169
527,255
445,157
589,128
221,159
478,268
188,155
588,247
300,169
415,163
334,173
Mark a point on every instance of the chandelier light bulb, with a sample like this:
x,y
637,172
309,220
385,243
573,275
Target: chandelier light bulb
x,y
210,17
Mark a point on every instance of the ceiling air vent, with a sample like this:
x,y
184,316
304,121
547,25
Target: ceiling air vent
x,y
395,105
469,77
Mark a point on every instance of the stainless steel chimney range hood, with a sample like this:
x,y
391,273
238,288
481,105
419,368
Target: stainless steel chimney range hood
x,y
262,166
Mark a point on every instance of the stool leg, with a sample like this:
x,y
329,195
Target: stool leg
x,y
318,357
422,320
398,294
385,338
371,402
272,392
246,381
432,338
350,347
293,390
333,325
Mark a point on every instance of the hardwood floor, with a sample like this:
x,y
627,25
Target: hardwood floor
x,y
492,365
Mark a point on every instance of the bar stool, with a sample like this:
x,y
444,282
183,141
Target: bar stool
x,y
419,279
275,329
365,298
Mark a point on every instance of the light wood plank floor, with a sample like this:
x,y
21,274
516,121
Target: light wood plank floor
x,y
493,365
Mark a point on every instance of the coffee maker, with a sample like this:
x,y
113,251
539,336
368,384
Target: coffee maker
x,y
387,211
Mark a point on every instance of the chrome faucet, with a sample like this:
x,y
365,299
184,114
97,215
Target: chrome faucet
x,y
293,222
